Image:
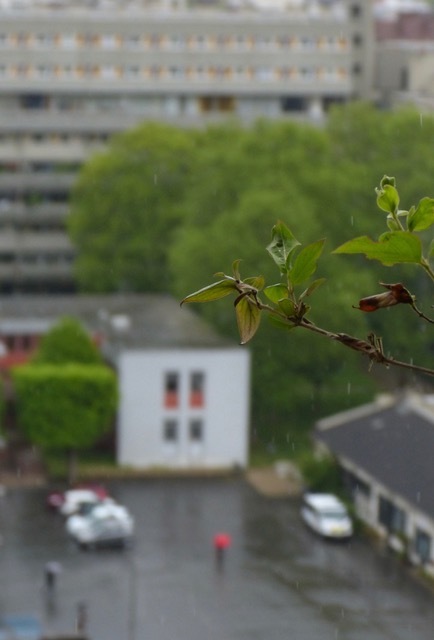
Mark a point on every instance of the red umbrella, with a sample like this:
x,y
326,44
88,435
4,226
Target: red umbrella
x,y
222,540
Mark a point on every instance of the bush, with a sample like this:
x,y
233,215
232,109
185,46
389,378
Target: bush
x,y
67,407
321,473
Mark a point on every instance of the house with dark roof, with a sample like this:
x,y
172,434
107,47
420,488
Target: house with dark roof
x,y
385,450
184,390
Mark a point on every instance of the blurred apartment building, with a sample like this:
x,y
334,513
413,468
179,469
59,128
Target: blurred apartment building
x,y
73,73
404,70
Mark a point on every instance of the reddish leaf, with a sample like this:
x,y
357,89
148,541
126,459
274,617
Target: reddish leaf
x,y
396,294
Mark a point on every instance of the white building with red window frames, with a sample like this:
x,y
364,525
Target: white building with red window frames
x,y
184,407
184,390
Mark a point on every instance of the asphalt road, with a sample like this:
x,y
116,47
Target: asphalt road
x,y
277,582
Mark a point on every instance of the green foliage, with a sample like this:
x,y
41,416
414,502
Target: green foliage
x,y
321,474
65,407
126,206
297,264
226,187
296,267
65,343
66,398
400,244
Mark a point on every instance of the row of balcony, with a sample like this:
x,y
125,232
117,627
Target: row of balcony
x,y
308,81
14,274
207,70
17,243
330,39
18,213
22,182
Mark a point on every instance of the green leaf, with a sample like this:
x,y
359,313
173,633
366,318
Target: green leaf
x,y
392,248
422,217
276,292
392,223
287,306
236,269
431,249
385,180
312,287
282,245
248,319
306,262
256,281
388,198
280,323
213,291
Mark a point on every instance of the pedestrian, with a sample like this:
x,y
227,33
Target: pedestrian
x,y
51,571
81,619
221,542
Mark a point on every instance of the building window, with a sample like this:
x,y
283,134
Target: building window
x,y
221,104
170,431
131,71
196,430
34,101
132,41
293,103
265,74
197,381
422,545
171,397
391,516
109,41
356,11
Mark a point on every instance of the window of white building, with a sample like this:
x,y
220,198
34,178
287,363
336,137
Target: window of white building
x,y
196,430
197,389
170,431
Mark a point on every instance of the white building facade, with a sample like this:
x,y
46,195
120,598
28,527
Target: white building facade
x,y
184,391
184,409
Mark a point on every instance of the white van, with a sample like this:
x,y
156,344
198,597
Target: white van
x,y
325,514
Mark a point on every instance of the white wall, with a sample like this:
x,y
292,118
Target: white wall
x,y
225,414
367,508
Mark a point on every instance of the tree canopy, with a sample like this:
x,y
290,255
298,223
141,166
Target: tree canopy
x,y
66,407
66,397
126,206
67,342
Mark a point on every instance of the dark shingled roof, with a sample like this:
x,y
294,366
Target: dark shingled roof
x,y
130,321
394,444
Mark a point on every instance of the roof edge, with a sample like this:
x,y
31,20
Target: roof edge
x,y
382,401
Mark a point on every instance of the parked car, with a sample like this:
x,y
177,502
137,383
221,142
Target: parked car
x,y
326,515
66,501
106,524
75,499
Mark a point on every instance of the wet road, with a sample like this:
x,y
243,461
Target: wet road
x,y
278,581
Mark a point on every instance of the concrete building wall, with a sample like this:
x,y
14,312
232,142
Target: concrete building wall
x,y
154,430
404,60
417,524
71,76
